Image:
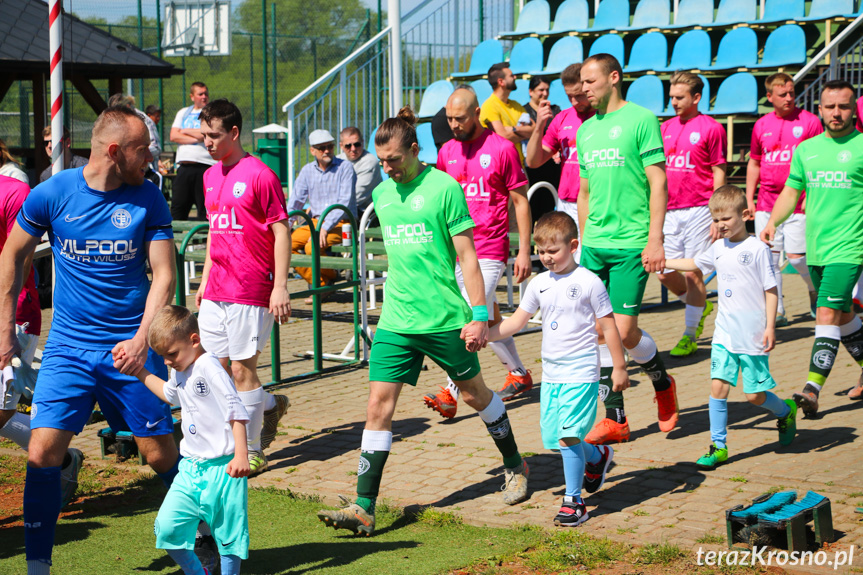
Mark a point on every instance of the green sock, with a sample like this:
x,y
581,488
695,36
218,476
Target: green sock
x,y
655,370
501,432
854,344
369,475
823,355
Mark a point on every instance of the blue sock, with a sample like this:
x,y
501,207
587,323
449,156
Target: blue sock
x,y
187,560
42,502
592,454
168,476
231,565
573,469
775,405
718,409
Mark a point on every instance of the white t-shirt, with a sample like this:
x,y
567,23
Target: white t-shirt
x,y
744,271
189,117
209,403
570,305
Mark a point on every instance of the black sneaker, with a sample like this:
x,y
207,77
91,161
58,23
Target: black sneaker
x,y
208,553
594,474
571,514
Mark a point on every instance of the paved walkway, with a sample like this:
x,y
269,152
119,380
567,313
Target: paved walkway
x,y
654,493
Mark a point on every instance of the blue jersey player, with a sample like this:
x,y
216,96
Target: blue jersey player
x,y
104,222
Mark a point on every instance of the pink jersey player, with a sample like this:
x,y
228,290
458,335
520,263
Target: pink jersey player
x,y
560,137
487,169
242,201
12,194
692,148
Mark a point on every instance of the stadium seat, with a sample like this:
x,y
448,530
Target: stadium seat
x,y
647,91
738,94
650,14
735,12
692,51
526,55
824,9
703,105
568,50
649,52
484,55
571,16
428,151
693,13
521,94
784,47
534,18
782,11
737,49
557,95
434,98
610,44
611,15
483,90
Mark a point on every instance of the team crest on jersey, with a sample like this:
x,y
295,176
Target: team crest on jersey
x,y
121,218
554,325
615,132
417,203
844,156
485,160
200,387
745,258
573,291
797,131
694,137
239,189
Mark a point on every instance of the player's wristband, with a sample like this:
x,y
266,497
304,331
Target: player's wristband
x,y
480,313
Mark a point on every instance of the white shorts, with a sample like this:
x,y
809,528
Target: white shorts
x,y
492,271
790,234
571,209
687,232
9,395
234,330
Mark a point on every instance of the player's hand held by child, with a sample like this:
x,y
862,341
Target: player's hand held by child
x,y
239,466
619,379
130,355
653,256
475,335
769,339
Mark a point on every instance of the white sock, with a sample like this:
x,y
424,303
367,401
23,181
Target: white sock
x,y
780,309
507,353
799,264
269,401
830,331
494,410
18,430
253,401
376,440
644,350
850,327
37,567
454,391
605,359
682,297
692,317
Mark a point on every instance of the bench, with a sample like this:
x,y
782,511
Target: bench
x,y
781,514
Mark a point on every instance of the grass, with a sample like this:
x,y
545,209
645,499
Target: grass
x,y
658,554
711,539
739,479
565,550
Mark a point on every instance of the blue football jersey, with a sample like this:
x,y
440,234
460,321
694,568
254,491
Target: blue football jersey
x,y
98,240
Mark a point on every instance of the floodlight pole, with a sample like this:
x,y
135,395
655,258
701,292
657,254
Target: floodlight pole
x,y
395,20
55,35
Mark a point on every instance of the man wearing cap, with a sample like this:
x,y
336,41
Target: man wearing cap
x,y
324,182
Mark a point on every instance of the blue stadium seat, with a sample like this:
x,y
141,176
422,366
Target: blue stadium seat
x,y
647,91
703,104
483,90
649,52
650,14
568,50
785,46
534,18
434,98
611,15
484,56
521,94
782,10
526,55
428,151
693,13
571,16
610,44
692,51
738,94
735,12
824,9
557,95
737,49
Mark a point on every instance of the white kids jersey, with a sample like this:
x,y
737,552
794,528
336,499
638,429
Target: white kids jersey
x,y
570,305
744,271
209,403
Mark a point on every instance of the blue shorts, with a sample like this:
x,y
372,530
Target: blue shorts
x,y
725,365
566,410
203,490
71,381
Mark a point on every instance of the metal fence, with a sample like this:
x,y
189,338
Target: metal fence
x,y
842,59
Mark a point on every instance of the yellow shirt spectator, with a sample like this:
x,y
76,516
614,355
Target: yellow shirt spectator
x,y
507,113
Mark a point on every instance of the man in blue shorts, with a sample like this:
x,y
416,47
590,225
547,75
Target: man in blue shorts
x,y
104,222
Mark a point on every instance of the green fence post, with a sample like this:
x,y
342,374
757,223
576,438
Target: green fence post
x,y
252,74
264,45
275,354
275,78
161,86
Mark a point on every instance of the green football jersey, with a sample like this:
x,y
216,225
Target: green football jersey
x,y
418,220
613,150
830,171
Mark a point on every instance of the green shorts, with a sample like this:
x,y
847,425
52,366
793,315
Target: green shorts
x,y
566,410
622,273
203,490
398,357
725,365
835,284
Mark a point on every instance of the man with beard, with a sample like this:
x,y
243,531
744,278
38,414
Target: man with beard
x,y
506,117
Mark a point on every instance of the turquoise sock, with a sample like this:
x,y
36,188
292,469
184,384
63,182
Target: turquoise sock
x,y
573,469
775,405
718,410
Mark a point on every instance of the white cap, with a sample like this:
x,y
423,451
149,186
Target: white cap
x,y
319,137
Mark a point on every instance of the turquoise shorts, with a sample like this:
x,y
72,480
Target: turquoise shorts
x,y
203,490
725,365
566,410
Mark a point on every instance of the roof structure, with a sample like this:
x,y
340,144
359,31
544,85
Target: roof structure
x,y
87,50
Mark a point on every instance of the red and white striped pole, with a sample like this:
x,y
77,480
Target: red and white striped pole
x,y
55,34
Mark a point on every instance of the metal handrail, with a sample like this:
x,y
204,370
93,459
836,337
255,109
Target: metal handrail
x,y
828,49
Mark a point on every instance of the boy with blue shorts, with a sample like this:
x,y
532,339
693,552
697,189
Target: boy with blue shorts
x,y
745,326
572,299
211,484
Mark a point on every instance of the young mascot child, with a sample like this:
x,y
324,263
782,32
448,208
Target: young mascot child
x,y
745,326
211,484
572,300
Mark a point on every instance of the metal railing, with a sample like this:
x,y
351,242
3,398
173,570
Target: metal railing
x,y
847,66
